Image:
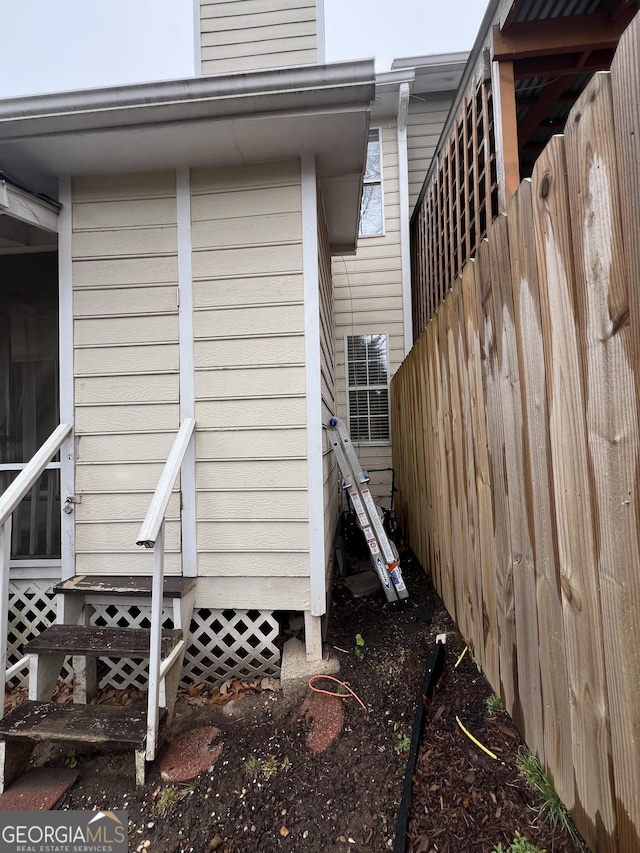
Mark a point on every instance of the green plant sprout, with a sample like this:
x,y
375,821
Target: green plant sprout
x,y
253,765
551,806
70,759
266,767
358,648
168,801
520,844
402,743
495,705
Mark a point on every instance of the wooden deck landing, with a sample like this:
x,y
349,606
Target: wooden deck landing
x,y
100,642
173,587
96,724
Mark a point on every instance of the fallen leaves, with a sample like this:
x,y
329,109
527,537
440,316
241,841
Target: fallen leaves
x,y
230,690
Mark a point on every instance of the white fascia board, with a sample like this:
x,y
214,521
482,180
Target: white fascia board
x,y
430,60
25,207
302,88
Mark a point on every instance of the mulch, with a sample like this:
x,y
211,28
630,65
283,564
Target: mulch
x,y
274,789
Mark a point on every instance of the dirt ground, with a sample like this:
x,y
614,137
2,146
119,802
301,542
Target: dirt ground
x,y
270,792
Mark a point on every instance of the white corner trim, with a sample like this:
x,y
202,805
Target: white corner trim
x,y
187,386
67,400
317,563
197,39
403,189
321,32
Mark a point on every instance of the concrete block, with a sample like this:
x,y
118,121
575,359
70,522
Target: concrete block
x,y
296,670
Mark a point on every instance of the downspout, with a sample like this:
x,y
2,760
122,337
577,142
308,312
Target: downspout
x,y
403,181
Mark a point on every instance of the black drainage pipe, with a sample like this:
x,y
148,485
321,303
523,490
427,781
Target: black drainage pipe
x,y
435,665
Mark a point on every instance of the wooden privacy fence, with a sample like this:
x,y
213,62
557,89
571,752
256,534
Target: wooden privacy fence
x,y
515,424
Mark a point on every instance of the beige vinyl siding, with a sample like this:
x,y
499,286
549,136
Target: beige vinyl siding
x,y
126,364
246,35
328,378
426,118
368,297
249,354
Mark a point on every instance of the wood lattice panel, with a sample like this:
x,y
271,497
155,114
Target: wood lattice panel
x,y
222,643
32,608
456,206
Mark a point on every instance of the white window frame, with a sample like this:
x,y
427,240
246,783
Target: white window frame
x,y
371,442
379,181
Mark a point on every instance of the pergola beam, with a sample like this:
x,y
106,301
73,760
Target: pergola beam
x,y
553,66
548,37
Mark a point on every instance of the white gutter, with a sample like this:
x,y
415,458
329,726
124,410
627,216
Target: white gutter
x,y
215,96
403,179
26,207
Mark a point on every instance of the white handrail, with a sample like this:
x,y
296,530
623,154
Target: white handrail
x,y
10,498
158,506
151,535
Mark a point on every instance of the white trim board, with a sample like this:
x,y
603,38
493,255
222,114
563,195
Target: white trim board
x,y
197,39
317,563
67,399
403,188
187,387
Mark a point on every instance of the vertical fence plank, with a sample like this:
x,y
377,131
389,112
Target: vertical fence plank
x,y
540,493
625,80
448,419
472,568
426,505
505,615
458,504
612,411
516,580
572,489
485,557
443,517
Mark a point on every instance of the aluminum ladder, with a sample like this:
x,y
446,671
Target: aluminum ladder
x,y
355,480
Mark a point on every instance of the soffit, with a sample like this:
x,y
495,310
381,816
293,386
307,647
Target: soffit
x,y
321,111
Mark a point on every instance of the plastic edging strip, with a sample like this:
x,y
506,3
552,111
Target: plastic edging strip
x,y
432,673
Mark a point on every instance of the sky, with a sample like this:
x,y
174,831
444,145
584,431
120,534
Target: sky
x,y
50,46
389,29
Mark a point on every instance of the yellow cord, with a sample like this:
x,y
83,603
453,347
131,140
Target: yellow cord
x,y
464,651
477,742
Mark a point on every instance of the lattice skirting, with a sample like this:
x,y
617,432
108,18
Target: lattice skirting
x,y
222,643
32,608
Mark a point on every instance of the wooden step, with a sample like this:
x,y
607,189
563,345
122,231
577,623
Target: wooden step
x,y
97,724
98,641
173,586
